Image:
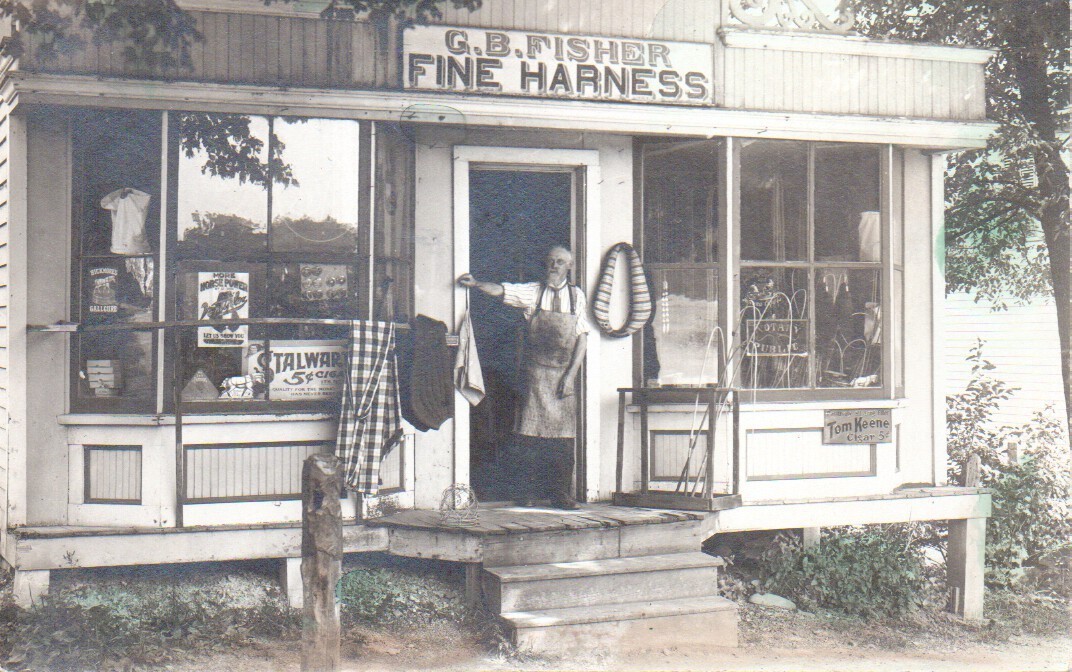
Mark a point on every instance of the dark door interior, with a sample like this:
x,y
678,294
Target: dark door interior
x,y
515,216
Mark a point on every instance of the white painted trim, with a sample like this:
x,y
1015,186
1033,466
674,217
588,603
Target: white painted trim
x,y
18,271
849,511
784,406
496,112
587,160
851,45
117,420
937,272
161,295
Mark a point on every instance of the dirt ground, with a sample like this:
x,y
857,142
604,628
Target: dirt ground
x,y
770,640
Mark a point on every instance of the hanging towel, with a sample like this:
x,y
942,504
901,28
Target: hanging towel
x,y
428,386
640,308
369,419
468,376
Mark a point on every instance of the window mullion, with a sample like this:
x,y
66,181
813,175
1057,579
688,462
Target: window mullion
x,y
813,338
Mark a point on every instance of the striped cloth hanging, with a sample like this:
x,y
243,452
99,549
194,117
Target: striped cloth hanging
x,y
640,306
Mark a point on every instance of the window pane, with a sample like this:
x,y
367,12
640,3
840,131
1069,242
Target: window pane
x,y
681,202
681,252
847,222
116,209
774,200
223,179
848,327
315,199
221,362
685,349
775,329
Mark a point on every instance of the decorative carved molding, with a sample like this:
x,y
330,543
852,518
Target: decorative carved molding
x,y
793,15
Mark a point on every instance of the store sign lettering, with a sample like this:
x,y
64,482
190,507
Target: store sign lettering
x,y
866,425
475,60
776,337
306,370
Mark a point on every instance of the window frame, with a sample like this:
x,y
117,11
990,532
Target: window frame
x,y
885,272
730,269
378,252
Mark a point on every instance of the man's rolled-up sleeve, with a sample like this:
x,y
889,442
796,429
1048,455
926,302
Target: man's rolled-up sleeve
x,y
520,295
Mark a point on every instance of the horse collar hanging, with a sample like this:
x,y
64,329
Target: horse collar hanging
x,y
640,306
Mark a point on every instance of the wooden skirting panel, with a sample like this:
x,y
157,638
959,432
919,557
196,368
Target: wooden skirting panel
x,y
68,547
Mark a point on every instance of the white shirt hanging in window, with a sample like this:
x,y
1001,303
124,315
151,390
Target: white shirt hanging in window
x,y
129,208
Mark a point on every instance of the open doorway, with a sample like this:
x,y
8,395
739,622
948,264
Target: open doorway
x,y
515,215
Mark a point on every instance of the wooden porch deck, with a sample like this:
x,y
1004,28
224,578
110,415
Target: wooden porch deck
x,y
494,520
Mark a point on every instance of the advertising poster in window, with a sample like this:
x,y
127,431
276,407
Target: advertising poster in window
x,y
103,284
306,370
222,296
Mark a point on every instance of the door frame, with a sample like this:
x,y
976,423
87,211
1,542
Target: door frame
x,y
586,226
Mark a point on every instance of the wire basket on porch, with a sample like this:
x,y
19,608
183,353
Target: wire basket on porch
x,y
458,506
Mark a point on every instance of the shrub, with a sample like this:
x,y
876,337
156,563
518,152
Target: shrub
x,y
866,571
1031,523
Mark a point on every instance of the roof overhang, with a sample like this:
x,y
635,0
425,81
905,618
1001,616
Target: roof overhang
x,y
22,88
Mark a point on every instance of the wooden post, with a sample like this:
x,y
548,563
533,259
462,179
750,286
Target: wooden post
x,y
965,563
810,536
321,566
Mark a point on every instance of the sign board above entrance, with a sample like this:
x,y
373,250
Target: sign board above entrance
x,y
548,65
863,425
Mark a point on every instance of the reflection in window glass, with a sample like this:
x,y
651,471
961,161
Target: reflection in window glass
x,y
774,201
681,256
848,327
775,327
317,209
222,196
847,222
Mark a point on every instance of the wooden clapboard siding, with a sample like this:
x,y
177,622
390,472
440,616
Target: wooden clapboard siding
x,y
245,48
1022,342
681,20
803,81
5,295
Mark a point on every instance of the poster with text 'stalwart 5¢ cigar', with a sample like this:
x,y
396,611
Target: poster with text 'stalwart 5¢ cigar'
x,y
222,296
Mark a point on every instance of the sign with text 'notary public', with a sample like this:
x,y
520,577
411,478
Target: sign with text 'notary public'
x,y
549,65
858,425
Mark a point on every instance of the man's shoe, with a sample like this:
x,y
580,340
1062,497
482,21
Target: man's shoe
x,y
565,504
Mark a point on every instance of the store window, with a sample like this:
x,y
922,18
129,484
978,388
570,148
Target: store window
x,y
267,226
681,256
267,217
116,235
811,265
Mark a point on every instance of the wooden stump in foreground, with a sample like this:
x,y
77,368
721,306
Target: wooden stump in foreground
x,y
321,565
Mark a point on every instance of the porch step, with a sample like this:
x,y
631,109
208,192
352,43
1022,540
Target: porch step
x,y
606,581
690,622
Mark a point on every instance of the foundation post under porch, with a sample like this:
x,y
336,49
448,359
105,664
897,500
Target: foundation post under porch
x,y
291,582
29,586
810,536
965,563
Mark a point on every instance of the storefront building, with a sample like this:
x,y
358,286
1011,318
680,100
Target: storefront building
x,y
780,176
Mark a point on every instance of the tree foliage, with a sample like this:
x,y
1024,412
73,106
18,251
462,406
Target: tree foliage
x,y
1007,206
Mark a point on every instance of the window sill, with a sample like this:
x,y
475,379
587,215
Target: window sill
x,y
767,406
147,420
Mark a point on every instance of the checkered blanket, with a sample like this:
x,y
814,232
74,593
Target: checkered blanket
x,y
369,420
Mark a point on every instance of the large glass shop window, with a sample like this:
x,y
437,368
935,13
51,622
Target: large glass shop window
x,y
811,262
681,255
268,213
116,236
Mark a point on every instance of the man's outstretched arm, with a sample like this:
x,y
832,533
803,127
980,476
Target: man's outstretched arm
x,y
489,288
